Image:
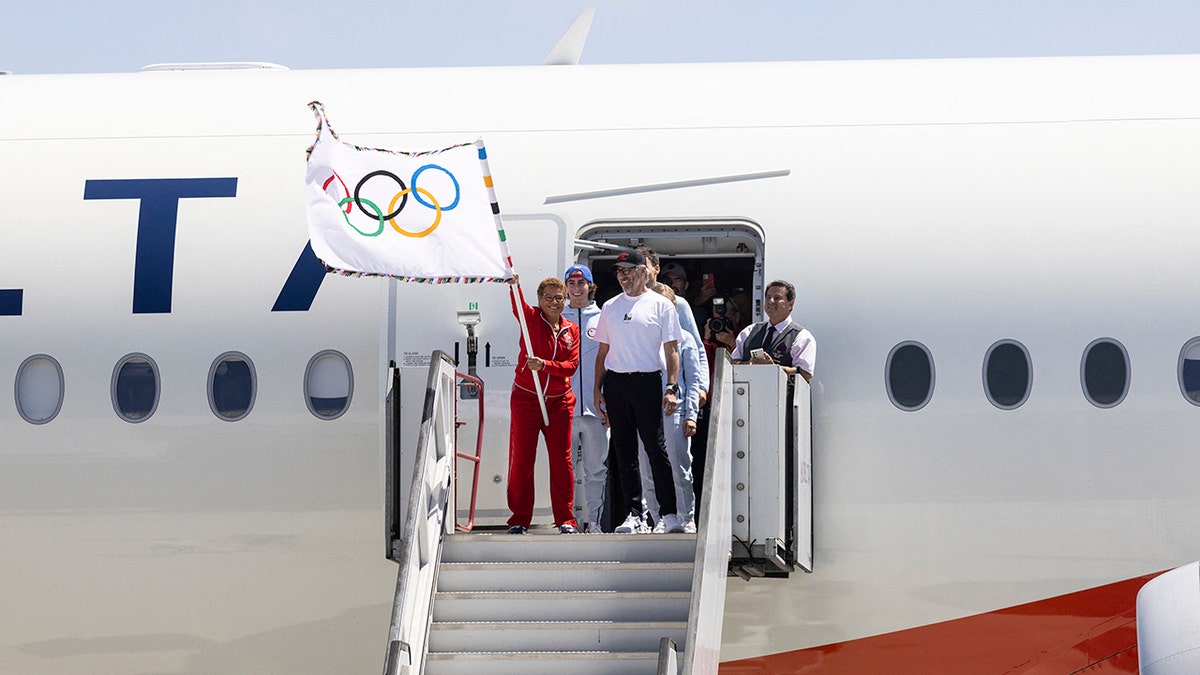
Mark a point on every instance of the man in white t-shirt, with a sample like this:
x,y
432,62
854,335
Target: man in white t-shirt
x,y
638,335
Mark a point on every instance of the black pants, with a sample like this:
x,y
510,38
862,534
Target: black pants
x,y
634,403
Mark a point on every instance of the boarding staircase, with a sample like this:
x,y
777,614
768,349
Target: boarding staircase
x,y
551,603
477,602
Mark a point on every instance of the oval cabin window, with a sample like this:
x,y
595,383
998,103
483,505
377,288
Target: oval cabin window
x,y
39,389
135,388
1105,373
1189,371
231,386
909,375
1007,375
328,384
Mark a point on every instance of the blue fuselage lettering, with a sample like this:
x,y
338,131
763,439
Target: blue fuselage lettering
x,y
10,301
154,261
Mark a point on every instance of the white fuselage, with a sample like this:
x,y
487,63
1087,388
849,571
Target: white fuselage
x,y
952,203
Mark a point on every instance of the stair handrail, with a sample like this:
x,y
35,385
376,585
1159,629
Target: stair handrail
x,y
702,651
476,459
427,521
668,657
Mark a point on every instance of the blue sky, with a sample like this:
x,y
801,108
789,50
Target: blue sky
x,y
67,36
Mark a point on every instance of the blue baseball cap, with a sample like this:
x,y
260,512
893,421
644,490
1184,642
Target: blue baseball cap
x,y
578,271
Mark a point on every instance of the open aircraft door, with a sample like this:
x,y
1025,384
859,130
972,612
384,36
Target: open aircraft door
x,y
772,473
801,454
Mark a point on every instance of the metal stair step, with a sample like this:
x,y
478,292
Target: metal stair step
x,y
576,548
541,663
560,606
464,636
564,576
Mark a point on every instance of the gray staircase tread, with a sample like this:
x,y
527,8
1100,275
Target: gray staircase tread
x,y
577,548
561,606
542,604
566,576
542,655
634,633
558,625
565,565
552,595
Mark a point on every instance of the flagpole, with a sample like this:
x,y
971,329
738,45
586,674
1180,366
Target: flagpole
x,y
516,294
537,381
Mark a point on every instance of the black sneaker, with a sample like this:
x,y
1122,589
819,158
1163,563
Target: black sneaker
x,y
567,528
517,529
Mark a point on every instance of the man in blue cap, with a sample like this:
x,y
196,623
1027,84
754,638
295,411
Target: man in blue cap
x,y
590,437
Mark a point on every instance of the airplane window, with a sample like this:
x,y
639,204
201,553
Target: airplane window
x,y
1105,373
135,388
1189,370
40,389
231,386
910,376
328,384
1006,374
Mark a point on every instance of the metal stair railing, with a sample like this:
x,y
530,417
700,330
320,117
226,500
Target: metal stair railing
x,y
427,520
476,459
702,651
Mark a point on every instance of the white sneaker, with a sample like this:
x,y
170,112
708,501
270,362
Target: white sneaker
x,y
632,525
689,527
671,524
593,528
659,527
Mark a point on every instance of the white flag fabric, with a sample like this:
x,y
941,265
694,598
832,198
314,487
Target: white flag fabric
x,y
428,217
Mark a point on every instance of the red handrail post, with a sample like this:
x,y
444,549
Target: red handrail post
x,y
476,458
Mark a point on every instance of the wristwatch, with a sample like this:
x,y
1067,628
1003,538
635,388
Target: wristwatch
x,y
672,388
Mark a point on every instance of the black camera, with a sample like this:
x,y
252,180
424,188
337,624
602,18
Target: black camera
x,y
719,323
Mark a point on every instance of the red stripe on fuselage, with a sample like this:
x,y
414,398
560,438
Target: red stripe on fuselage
x,y
1092,631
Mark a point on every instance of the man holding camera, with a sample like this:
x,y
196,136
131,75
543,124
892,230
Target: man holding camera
x,y
778,340
722,329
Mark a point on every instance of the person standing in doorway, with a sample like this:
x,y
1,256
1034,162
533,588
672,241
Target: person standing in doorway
x,y
781,340
589,436
679,428
637,383
687,319
552,358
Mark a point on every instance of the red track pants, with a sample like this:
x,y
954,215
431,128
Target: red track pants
x,y
525,425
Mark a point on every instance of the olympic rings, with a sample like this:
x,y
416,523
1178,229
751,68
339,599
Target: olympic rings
x,y
381,172
421,195
378,215
437,209
457,191
329,180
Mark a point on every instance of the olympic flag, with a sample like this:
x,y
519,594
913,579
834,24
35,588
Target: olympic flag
x,y
427,217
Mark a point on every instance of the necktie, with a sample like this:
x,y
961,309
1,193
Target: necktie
x,y
769,337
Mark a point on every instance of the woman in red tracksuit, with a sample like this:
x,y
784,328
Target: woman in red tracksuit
x,y
555,357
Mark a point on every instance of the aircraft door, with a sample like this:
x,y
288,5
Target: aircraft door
x,y
801,475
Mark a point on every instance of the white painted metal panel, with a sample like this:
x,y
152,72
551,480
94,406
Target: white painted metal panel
x,y
802,504
759,454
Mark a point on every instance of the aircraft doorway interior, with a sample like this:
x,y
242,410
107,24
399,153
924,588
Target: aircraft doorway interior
x,y
717,262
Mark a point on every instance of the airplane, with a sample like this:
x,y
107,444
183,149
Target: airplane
x,y
994,255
